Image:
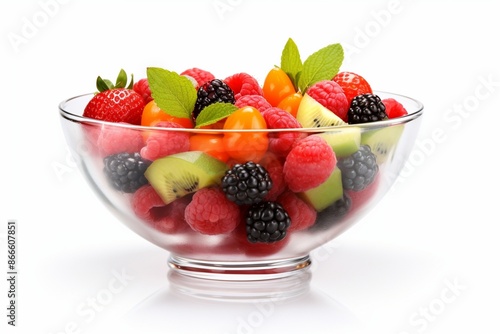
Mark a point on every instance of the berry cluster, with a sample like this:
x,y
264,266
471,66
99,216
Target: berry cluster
x,y
263,184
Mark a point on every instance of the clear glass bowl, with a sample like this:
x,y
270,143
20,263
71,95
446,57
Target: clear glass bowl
x,y
230,256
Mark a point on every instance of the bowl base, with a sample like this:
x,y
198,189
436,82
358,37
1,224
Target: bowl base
x,y
240,281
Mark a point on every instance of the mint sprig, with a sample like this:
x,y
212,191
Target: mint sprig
x,y
214,112
173,93
323,64
291,62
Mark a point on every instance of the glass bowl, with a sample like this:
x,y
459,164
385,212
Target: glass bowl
x,y
316,217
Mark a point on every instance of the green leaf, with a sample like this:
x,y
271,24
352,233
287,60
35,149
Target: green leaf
x,y
173,93
103,84
121,80
131,84
291,62
324,64
214,113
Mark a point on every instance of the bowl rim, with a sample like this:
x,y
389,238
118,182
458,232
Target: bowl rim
x,y
65,114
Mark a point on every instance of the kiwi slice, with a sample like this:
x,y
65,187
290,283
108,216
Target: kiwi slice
x,y
344,142
312,114
383,141
177,175
326,193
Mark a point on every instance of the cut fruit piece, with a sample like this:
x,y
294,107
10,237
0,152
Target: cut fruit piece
x,y
177,175
312,114
344,142
383,141
326,193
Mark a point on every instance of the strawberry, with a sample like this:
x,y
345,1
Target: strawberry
x,y
115,102
116,105
353,84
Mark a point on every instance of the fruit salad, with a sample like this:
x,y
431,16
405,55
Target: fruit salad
x,y
253,162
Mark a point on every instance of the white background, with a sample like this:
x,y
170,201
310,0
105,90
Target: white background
x,y
424,261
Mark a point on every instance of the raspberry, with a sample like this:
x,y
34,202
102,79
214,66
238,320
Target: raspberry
x,y
256,101
113,140
150,208
331,96
246,183
267,222
366,108
159,144
211,92
275,169
281,143
302,215
243,84
201,76
359,169
210,212
142,88
125,171
352,84
393,108
309,163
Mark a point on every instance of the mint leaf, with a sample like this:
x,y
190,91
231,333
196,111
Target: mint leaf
x,y
291,62
324,64
214,113
173,93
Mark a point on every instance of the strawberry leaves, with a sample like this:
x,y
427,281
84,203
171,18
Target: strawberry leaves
x,y
120,82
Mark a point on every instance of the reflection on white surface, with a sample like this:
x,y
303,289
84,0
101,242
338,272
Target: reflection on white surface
x,y
167,311
352,288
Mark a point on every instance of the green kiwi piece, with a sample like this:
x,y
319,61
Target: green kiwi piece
x,y
177,175
326,193
312,114
344,142
383,141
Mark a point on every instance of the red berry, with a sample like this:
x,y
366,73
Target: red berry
x,y
210,212
301,214
201,76
353,84
331,96
281,143
113,140
243,84
274,168
256,101
116,105
393,108
142,88
310,162
149,207
159,143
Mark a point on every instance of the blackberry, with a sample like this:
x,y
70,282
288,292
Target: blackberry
x,y
341,207
366,108
266,222
211,92
125,171
359,169
246,183
333,214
